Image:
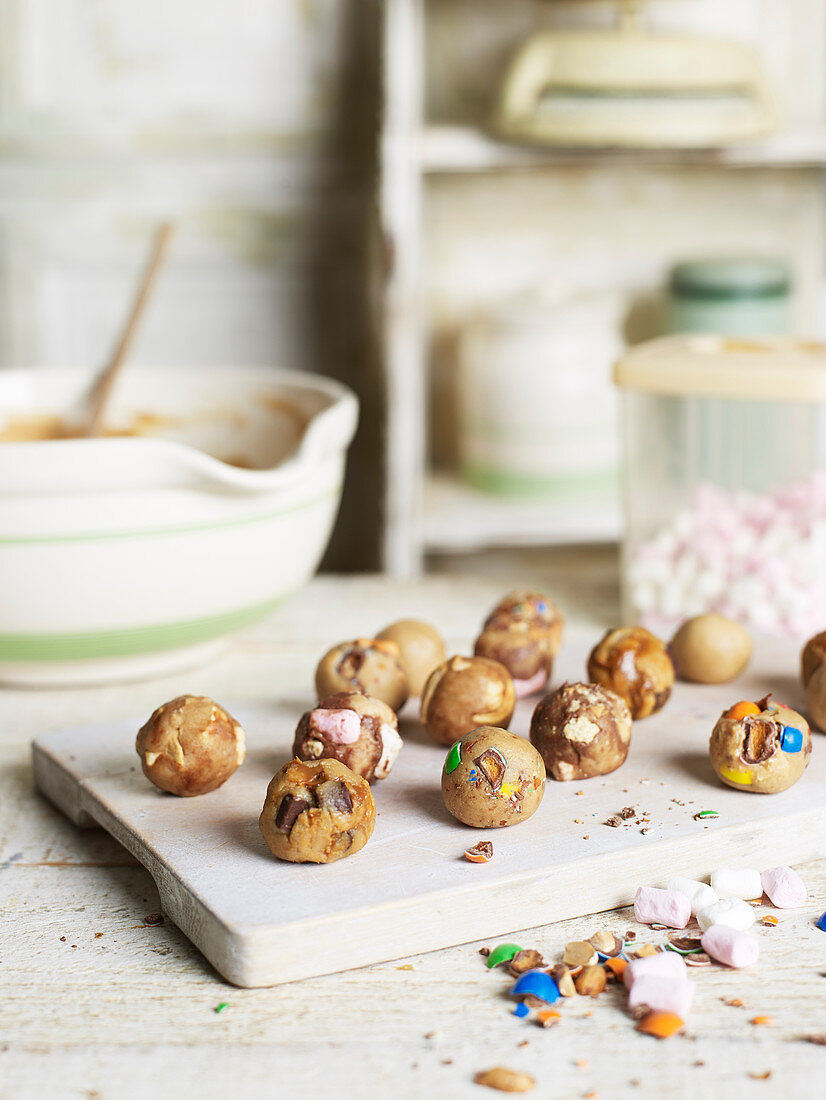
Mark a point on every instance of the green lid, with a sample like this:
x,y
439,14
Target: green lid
x,y
727,280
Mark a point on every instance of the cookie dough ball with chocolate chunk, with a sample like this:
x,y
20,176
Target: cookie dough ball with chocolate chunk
x,y
367,665
421,649
463,693
356,729
634,663
523,632
581,730
760,747
492,778
710,649
190,746
813,656
317,812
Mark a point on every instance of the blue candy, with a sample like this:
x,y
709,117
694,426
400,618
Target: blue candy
x,y
791,739
521,1009
538,983
821,922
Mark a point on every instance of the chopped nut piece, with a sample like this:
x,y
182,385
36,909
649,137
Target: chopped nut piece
x,y
591,981
608,943
764,1076
579,953
533,1002
627,812
732,1002
525,960
480,853
614,822
505,1080
564,980
819,1038
643,951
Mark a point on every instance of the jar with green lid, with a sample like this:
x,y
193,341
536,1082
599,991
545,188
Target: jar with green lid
x,y
741,297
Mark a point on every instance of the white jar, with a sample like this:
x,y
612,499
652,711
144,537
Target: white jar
x,y
537,410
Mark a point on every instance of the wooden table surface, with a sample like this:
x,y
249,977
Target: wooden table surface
x,y
97,1004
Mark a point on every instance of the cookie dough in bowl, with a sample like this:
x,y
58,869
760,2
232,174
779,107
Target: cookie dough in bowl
x,y
523,632
421,649
356,729
634,663
463,693
190,746
760,747
581,730
492,778
367,665
317,812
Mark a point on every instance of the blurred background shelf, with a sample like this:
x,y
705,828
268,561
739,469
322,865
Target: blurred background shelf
x,y
459,519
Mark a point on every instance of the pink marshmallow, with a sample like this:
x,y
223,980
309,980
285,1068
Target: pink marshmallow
x,y
667,965
729,946
668,907
532,686
662,994
342,727
784,887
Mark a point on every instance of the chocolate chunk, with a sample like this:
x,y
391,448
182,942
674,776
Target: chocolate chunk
x,y
333,795
492,764
760,741
287,812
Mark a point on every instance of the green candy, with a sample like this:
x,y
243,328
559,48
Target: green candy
x,y
454,758
503,953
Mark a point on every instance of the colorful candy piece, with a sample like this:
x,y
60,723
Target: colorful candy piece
x,y
665,964
736,882
616,966
502,954
537,983
662,1025
732,912
548,1017
700,895
662,995
454,757
521,1010
791,739
730,946
821,922
668,907
742,710
736,775
784,887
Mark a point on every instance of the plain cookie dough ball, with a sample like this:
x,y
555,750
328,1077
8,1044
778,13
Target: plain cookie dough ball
x,y
190,746
813,656
760,747
356,729
317,812
581,730
366,665
492,778
421,649
710,649
816,698
634,663
463,693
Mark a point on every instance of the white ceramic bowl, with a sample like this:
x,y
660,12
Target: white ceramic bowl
x,y
128,557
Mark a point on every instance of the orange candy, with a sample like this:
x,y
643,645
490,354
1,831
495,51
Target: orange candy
x,y
660,1024
548,1017
763,1021
742,710
616,966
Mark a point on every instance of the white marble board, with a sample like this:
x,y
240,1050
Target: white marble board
x,y
262,922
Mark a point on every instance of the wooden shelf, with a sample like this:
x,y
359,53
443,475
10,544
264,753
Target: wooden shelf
x,y
446,148
459,519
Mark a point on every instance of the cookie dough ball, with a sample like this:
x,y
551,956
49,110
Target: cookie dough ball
x,y
816,698
463,693
190,746
710,649
360,731
492,778
317,812
421,649
366,665
581,730
760,747
813,656
634,663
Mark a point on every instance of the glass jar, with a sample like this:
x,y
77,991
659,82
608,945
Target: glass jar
x,y
743,297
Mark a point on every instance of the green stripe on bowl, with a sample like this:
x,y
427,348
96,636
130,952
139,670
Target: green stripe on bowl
x,y
132,640
506,483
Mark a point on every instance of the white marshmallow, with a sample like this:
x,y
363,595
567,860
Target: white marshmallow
x,y
732,912
699,894
737,882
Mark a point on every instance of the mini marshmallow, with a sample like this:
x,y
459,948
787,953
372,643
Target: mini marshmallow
x,y
668,907
730,946
700,895
732,912
784,887
737,882
662,994
342,727
667,965
536,683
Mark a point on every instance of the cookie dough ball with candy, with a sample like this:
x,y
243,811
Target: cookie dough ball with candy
x,y
761,747
356,729
523,633
368,665
492,778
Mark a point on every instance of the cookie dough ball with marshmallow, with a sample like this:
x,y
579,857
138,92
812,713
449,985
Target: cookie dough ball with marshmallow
x,y
190,746
367,665
492,778
523,632
356,729
633,662
581,730
421,649
762,747
463,693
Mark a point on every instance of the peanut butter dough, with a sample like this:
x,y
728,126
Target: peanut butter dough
x,y
367,665
492,778
317,812
710,649
463,693
356,729
421,649
581,730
